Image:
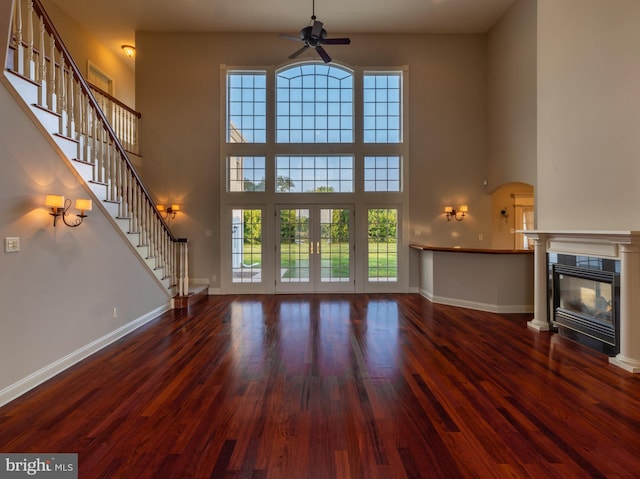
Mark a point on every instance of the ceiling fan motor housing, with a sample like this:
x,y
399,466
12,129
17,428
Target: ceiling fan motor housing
x,y
307,37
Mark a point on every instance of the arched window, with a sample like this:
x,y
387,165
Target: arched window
x,y
314,104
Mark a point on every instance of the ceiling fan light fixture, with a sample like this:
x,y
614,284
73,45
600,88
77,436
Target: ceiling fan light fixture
x,y
314,36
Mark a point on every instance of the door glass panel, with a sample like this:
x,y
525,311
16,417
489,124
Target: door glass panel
x,y
246,246
334,245
294,245
382,255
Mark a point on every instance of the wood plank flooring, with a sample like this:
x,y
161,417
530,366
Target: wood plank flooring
x,y
336,386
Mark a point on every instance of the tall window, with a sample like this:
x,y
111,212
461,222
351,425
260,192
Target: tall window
x,y
307,140
246,107
382,97
382,254
246,245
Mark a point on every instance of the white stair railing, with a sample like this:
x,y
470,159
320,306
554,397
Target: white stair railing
x,y
124,120
37,53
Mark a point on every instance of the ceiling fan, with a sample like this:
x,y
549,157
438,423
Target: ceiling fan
x,y
314,36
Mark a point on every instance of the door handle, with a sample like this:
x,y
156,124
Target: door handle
x,y
311,250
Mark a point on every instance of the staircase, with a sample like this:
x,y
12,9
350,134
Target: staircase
x,y
42,73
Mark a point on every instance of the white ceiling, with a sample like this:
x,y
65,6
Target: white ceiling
x,y
115,21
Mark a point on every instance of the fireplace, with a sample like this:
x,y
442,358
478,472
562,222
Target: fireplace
x,y
584,300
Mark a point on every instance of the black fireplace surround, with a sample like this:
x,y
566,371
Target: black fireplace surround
x,y
584,299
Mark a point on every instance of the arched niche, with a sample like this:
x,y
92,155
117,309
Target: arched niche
x,y
512,209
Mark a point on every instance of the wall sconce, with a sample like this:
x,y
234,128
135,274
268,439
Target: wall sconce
x,y
59,207
129,50
169,212
451,212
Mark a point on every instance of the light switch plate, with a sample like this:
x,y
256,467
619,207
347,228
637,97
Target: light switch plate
x,y
12,244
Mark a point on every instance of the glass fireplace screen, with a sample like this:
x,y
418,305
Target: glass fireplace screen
x,y
585,296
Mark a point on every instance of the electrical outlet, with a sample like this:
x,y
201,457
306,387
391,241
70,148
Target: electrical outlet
x,y
115,313
214,278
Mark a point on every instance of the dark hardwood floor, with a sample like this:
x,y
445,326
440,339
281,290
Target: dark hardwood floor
x,y
344,386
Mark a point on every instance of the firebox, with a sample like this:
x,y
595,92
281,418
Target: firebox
x,y
584,300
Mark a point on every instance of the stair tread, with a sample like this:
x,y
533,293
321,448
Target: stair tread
x,y
60,135
48,110
19,75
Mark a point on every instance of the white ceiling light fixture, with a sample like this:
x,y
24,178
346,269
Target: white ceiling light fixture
x,y
129,50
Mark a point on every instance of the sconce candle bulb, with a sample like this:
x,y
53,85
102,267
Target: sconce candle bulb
x,y
83,205
54,201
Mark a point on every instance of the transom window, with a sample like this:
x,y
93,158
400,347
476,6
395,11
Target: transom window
x,y
246,173
314,174
381,173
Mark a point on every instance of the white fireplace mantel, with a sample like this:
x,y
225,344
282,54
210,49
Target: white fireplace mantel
x,y
622,245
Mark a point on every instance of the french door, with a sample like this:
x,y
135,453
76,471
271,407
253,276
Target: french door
x,y
314,249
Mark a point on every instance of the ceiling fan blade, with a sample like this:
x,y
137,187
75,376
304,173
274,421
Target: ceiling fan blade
x,y
336,41
298,52
316,30
290,37
323,54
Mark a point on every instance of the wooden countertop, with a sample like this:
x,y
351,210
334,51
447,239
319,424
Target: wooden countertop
x,y
470,250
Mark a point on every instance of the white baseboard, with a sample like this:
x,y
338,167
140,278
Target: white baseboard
x,y
491,308
35,379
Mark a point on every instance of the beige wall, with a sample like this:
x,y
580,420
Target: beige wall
x,y
501,283
85,48
511,95
588,114
178,85
58,292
